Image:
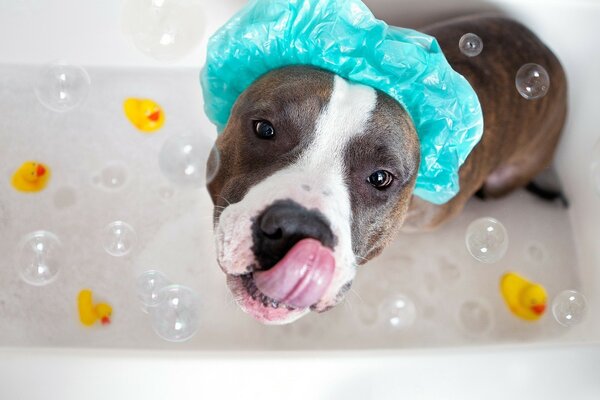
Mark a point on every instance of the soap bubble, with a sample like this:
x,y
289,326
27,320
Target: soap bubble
x,y
148,286
175,318
118,238
166,30
595,168
536,253
183,159
40,258
398,312
568,307
449,271
112,177
487,240
166,192
475,317
61,86
470,45
532,81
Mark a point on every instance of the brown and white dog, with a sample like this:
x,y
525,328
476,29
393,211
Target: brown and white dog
x,y
317,173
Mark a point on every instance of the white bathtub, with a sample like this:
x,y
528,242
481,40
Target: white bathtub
x,y
44,353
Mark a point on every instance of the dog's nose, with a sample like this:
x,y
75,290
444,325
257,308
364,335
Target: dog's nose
x,y
283,224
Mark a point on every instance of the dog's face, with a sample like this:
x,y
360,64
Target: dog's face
x,y
316,176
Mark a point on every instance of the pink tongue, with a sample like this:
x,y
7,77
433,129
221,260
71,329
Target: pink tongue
x,y
301,277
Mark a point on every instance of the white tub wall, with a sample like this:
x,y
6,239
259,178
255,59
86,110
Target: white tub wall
x,y
471,374
86,32
89,33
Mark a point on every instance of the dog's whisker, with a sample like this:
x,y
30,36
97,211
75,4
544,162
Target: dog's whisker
x,y
355,293
228,202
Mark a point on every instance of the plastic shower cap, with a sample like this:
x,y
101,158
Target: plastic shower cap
x,y
343,37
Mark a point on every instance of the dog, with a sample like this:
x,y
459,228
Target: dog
x,y
317,173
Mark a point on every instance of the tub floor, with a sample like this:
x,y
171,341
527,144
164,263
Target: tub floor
x,y
175,236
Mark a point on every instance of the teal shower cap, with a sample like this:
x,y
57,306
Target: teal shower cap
x,y
343,37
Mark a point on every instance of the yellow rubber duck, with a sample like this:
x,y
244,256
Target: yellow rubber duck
x,y
90,313
32,176
144,114
525,299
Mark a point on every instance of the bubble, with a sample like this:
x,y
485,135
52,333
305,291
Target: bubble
x,y
166,192
189,160
176,316
398,312
61,87
475,317
568,307
532,81
118,238
487,240
112,177
40,258
595,168
470,45
148,286
166,30
449,271
535,252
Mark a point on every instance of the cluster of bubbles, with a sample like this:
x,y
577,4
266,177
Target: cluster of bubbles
x,y
166,30
39,258
487,240
183,160
173,309
61,87
532,80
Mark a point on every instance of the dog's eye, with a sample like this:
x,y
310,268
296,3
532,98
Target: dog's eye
x,y
381,179
264,129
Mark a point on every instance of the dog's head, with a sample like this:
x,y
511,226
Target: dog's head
x,y
316,176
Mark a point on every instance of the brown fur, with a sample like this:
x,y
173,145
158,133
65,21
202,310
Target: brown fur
x,y
520,135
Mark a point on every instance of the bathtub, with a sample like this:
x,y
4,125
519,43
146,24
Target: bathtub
x,y
345,353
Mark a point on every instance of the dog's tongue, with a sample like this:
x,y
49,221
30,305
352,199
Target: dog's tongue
x,y
301,277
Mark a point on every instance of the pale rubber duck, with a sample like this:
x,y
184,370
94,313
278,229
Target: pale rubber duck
x,y
90,313
144,114
32,176
525,299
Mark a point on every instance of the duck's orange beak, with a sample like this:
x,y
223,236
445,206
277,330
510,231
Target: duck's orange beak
x,y
105,320
154,116
539,309
40,171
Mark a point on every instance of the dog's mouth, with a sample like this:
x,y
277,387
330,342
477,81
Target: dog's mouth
x,y
293,286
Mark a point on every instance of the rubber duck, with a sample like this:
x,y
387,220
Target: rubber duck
x,y
90,313
144,114
32,176
525,299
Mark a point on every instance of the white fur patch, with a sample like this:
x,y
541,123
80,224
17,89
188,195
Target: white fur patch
x,y
316,181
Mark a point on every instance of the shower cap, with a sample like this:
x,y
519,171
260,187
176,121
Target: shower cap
x,y
343,37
